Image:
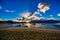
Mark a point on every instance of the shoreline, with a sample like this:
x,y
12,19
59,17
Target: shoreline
x,y
30,29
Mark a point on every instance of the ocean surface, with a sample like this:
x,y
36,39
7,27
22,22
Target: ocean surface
x,y
40,25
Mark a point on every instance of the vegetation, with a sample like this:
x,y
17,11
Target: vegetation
x,y
28,35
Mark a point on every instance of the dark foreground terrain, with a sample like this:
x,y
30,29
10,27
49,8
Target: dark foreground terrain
x,y
29,34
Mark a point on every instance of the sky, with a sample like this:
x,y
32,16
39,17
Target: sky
x,y
12,9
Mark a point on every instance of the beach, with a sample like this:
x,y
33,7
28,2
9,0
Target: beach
x,y
24,33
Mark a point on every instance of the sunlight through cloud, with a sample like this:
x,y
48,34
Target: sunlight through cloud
x,y
59,14
25,14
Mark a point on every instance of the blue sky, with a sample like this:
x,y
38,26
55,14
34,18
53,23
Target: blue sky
x,y
18,6
11,9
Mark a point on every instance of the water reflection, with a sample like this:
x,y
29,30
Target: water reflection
x,y
40,25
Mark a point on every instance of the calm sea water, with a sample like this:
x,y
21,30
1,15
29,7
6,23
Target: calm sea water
x,y
42,25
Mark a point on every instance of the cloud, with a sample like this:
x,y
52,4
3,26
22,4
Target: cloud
x,y
51,15
52,18
42,18
25,14
40,5
36,12
10,11
0,7
35,17
43,7
59,14
40,14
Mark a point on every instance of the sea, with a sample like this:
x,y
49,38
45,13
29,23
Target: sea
x,y
39,25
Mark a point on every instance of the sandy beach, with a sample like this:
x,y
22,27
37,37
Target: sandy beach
x,y
24,33
30,29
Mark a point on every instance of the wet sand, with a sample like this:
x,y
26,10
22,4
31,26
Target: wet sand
x,y
30,29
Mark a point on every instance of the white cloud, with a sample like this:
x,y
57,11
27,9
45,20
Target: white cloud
x,y
52,18
51,15
35,17
59,14
43,7
36,12
0,7
41,17
25,14
40,5
10,11
40,14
